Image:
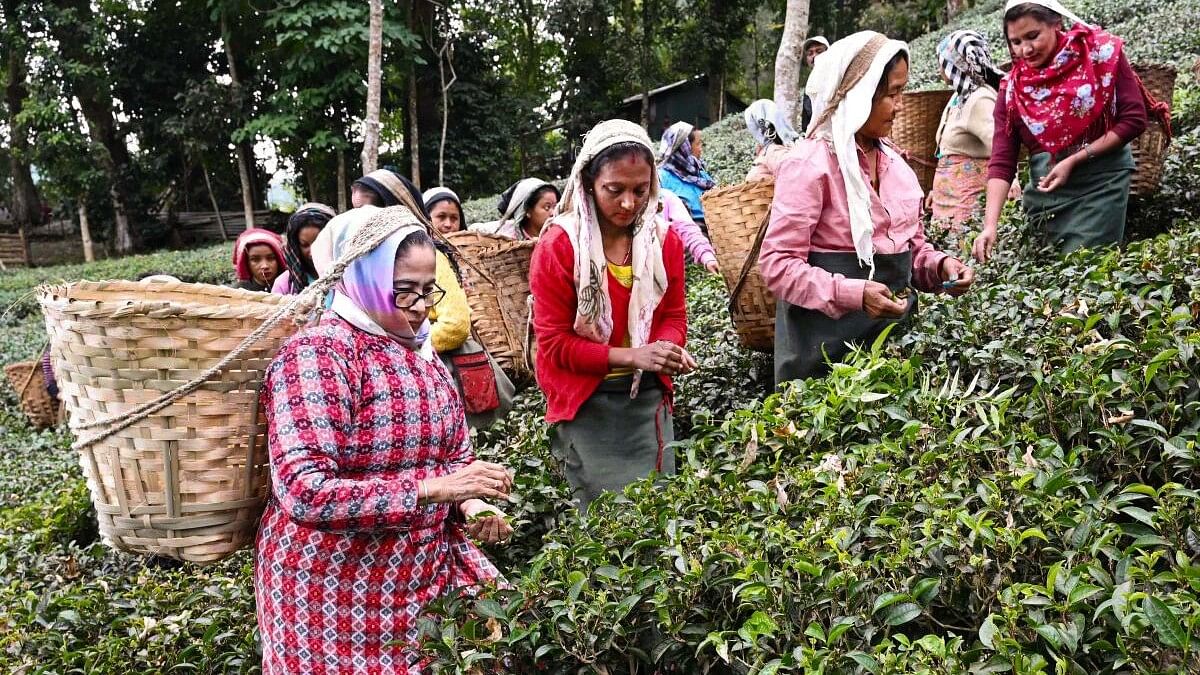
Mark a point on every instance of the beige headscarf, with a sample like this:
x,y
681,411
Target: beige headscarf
x,y
842,88
1052,5
593,317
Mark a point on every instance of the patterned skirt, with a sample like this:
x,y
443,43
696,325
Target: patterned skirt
x,y
958,186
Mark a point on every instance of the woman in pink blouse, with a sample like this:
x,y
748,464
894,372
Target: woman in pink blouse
x,y
845,240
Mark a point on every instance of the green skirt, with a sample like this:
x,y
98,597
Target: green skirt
x,y
1087,211
615,440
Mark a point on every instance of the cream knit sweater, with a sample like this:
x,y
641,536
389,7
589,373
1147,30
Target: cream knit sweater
x,y
967,129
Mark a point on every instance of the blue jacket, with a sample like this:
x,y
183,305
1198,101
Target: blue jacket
x,y
689,193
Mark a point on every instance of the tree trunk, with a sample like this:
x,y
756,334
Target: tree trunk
x,y
648,14
244,151
953,7
92,90
247,185
24,204
414,140
789,59
716,95
414,143
213,199
343,201
445,60
310,178
370,153
85,231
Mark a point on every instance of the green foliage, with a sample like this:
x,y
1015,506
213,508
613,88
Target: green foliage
x,y
1006,487
210,265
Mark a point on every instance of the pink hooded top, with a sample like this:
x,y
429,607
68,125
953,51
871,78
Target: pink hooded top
x,y
253,237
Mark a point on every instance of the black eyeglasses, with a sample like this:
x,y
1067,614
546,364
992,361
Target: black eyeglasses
x,y
407,299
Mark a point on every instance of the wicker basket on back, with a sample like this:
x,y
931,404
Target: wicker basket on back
x,y
27,380
1150,149
915,130
737,217
496,279
189,481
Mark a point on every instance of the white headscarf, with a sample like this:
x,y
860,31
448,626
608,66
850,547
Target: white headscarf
x,y
814,40
854,107
1052,5
593,316
765,122
510,223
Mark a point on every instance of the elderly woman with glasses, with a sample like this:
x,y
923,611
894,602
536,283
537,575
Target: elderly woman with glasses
x,y
375,493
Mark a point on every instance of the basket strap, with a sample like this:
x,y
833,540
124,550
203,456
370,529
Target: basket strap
x,y
751,261
37,368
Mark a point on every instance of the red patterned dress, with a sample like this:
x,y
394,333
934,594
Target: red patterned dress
x,y
346,559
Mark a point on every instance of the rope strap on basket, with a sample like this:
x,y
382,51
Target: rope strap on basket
x,y
750,262
379,228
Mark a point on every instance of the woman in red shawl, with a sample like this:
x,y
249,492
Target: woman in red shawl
x,y
1073,99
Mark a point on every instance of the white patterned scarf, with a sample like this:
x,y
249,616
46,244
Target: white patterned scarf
x,y
577,217
847,81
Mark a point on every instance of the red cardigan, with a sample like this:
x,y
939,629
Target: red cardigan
x,y
569,367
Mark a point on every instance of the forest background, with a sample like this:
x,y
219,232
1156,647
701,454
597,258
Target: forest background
x,y
126,113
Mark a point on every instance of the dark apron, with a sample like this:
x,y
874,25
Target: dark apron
x,y
1089,209
803,337
615,440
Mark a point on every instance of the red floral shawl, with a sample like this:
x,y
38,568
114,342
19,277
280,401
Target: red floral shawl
x,y
1060,102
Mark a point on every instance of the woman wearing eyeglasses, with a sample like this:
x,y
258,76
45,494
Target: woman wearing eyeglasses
x,y
375,493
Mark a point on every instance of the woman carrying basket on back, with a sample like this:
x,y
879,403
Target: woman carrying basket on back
x,y
1073,99
374,488
845,240
609,314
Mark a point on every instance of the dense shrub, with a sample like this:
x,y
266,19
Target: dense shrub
x,y
1007,487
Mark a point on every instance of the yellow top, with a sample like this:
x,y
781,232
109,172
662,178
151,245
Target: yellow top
x,y
624,276
451,318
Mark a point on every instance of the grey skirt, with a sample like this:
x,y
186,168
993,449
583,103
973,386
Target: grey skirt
x,y
615,440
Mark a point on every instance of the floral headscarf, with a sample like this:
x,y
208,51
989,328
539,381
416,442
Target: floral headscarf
x,y
364,295
1060,102
677,157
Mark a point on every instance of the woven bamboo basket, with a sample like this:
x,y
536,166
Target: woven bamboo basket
x,y
915,130
1150,149
189,481
27,380
737,217
496,280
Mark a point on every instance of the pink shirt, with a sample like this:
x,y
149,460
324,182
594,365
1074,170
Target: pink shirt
x,y
810,213
766,162
675,212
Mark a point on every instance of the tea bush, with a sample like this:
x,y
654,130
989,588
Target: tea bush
x,y
1006,487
